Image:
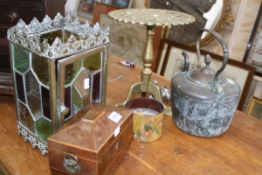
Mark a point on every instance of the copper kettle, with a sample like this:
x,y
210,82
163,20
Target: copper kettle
x,y
203,100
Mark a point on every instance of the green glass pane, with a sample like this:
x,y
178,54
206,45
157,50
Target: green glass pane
x,y
92,62
25,117
71,70
40,67
21,59
43,129
33,94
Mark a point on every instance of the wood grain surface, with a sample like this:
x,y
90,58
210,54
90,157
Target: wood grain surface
x,y
238,151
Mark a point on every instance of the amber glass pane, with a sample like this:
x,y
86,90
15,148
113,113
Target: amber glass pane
x,y
92,62
43,129
68,100
66,35
33,94
63,35
46,102
21,59
51,36
71,70
20,86
26,118
40,67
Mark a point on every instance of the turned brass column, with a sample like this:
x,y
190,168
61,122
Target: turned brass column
x,y
147,60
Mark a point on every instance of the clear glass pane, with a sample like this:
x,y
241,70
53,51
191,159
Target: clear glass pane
x,y
43,129
92,62
77,101
26,118
21,59
71,70
81,90
33,94
40,67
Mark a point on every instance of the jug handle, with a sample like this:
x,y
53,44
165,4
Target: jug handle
x,y
225,52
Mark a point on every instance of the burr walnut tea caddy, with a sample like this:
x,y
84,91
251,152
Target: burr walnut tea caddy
x,y
93,145
59,66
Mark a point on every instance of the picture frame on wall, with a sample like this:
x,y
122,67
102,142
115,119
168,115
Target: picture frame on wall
x,y
253,54
255,107
171,62
121,3
106,1
86,9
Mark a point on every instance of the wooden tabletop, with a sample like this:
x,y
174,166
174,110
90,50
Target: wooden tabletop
x,y
238,151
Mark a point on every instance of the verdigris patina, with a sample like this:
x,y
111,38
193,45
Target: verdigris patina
x,y
203,101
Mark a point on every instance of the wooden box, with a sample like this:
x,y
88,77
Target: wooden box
x,y
94,145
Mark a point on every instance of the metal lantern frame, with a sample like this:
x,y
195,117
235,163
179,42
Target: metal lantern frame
x,y
64,50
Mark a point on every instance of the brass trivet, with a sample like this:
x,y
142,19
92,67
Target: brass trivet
x,y
150,18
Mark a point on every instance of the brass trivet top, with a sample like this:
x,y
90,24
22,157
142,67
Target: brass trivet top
x,y
151,17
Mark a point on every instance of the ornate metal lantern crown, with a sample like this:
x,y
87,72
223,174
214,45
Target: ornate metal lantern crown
x,y
59,37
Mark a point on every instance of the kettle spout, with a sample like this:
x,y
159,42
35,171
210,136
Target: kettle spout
x,y
186,65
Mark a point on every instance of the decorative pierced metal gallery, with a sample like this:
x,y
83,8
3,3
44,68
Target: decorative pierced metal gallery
x,y
59,67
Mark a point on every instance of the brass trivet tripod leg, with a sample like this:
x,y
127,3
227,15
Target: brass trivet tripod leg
x,y
136,89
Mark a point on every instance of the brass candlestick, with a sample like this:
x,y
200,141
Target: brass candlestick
x,y
150,18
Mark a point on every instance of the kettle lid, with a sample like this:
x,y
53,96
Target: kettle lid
x,y
205,75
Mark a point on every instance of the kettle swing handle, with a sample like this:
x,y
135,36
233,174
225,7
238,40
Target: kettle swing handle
x,y
225,52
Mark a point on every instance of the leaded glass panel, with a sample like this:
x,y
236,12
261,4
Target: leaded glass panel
x,y
33,94
96,84
21,58
68,100
77,101
46,102
82,84
25,117
92,62
40,67
81,90
71,70
20,86
63,35
43,129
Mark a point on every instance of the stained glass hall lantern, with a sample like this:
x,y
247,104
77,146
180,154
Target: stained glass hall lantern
x,y
59,67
